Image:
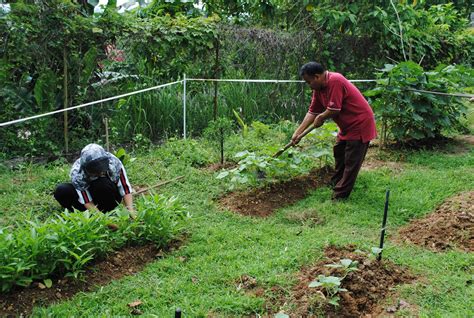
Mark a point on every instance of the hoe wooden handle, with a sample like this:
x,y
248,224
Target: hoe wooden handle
x,y
288,145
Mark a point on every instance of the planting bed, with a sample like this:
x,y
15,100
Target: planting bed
x,y
366,287
451,225
263,201
127,261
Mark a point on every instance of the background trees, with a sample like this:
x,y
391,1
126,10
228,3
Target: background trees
x,y
59,53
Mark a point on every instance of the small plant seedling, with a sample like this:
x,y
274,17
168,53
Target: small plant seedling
x,y
347,265
331,285
375,251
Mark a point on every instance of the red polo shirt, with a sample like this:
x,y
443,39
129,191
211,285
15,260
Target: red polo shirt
x,y
355,119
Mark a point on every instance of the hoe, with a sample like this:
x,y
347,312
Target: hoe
x,y
288,145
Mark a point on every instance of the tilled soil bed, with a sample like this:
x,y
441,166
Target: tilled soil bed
x,y
127,261
451,225
263,201
366,287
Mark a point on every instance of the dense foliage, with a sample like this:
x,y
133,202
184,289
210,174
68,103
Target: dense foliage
x,y
64,244
60,53
407,113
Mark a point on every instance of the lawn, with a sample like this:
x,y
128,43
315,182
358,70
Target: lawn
x,y
205,276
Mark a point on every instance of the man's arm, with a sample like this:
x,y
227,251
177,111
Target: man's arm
x,y
308,119
128,202
319,120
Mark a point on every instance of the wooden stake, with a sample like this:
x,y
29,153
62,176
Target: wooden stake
x,y
158,185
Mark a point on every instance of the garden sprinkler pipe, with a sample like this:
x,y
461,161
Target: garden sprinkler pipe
x,y
177,313
288,145
384,223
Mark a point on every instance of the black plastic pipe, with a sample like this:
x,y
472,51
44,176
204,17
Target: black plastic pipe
x,y
384,223
177,313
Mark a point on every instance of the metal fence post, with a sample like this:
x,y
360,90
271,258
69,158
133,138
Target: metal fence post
x,y
184,106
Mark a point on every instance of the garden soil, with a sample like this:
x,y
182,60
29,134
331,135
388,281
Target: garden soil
x,y
127,261
367,288
451,225
263,201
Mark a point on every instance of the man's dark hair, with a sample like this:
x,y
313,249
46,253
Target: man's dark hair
x,y
311,69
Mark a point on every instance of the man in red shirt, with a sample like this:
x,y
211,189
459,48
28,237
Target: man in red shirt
x,y
337,98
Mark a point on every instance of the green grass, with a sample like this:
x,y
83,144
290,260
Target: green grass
x,y
201,277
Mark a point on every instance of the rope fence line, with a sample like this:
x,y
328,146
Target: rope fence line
x,y
440,93
261,80
184,80
87,104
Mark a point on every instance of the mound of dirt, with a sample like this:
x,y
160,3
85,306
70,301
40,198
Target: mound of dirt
x,y
263,201
127,261
451,225
367,286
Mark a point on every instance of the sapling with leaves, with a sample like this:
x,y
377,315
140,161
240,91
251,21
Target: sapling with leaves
x,y
331,285
217,131
346,265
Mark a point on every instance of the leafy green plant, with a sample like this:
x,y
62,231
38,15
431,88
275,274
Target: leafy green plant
x,y
347,265
242,124
252,167
124,157
188,152
66,243
331,285
412,115
261,130
375,252
260,167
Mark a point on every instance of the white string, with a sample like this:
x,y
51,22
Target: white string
x,y
87,104
440,93
259,80
207,80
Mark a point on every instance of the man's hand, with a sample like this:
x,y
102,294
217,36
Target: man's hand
x,y
295,139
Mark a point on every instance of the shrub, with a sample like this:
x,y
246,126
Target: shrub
x,y
407,114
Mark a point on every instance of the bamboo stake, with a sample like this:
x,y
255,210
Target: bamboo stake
x,y
158,185
65,117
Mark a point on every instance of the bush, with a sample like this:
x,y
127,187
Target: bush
x,y
412,115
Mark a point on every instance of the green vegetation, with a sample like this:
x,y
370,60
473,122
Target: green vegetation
x,y
330,284
59,53
64,244
201,276
408,114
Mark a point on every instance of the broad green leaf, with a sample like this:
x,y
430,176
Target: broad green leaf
x,y
48,282
376,250
314,283
241,154
222,175
346,262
